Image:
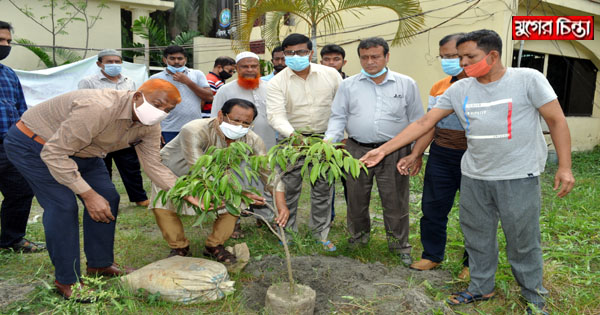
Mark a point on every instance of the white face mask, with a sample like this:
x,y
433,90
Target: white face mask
x,y
233,132
148,114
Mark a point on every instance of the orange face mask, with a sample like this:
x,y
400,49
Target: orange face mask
x,y
479,68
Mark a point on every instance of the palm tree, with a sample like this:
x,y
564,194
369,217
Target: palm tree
x,y
326,12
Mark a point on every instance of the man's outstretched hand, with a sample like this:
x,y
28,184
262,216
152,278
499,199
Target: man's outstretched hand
x,y
373,157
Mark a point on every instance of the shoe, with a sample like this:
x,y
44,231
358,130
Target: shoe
x,y
405,259
180,252
424,264
113,270
328,245
220,254
537,308
144,203
66,290
464,274
466,297
26,246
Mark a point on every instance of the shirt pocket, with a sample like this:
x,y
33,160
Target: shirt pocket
x,y
393,105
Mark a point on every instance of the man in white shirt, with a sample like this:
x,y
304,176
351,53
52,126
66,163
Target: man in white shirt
x,y
299,100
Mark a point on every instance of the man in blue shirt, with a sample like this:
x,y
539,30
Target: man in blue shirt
x,y
14,188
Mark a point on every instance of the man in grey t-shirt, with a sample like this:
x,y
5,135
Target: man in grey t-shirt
x,y
500,110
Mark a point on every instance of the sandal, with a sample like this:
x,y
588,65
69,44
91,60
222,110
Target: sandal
x,y
220,254
465,297
237,232
27,246
328,245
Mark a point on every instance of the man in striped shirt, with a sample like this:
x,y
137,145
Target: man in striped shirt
x,y
223,69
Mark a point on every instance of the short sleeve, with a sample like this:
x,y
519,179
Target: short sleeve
x,y
539,90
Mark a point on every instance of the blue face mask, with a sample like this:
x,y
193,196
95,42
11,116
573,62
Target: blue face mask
x,y
175,70
451,66
297,63
384,70
113,69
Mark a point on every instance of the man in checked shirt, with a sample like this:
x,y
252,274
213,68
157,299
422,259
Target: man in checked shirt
x,y
14,188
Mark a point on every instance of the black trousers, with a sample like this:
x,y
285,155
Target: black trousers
x,y
16,204
128,165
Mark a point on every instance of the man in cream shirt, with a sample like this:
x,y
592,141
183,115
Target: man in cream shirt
x,y
299,99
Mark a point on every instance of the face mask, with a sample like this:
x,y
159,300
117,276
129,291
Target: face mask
x,y
451,66
479,69
148,114
175,70
224,75
4,51
297,63
113,70
233,132
384,70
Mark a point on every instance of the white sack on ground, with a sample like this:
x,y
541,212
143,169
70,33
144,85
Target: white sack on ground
x,y
185,280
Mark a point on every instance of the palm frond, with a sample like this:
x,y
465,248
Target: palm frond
x,y
409,14
39,52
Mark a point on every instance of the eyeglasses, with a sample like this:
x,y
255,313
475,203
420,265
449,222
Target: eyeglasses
x,y
301,52
237,122
453,56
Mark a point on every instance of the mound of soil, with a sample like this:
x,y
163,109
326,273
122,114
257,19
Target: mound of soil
x,y
349,286
11,292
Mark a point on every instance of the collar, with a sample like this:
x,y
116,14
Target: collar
x,y
127,108
216,75
314,68
101,76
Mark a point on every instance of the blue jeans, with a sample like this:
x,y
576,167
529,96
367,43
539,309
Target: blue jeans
x,y
17,202
61,221
442,181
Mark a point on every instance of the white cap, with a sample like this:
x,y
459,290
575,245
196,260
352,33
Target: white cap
x,y
246,54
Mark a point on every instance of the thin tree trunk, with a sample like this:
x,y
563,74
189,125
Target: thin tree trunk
x,y
313,39
53,33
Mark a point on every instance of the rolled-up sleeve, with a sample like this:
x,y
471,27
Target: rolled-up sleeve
x,y
276,104
148,152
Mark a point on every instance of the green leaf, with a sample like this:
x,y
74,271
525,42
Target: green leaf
x,y
232,209
200,220
314,173
347,164
223,183
206,200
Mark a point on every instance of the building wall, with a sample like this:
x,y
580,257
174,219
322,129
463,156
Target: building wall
x,y
207,49
106,33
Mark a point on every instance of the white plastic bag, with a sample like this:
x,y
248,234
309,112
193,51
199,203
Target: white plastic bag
x,y
183,279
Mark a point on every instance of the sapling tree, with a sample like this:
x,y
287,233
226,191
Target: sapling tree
x,y
217,178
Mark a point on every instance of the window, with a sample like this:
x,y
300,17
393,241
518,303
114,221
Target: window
x,y
573,79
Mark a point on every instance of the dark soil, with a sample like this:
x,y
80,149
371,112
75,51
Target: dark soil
x,y
11,292
346,285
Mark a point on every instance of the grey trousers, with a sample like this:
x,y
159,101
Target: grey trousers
x,y
320,201
517,204
393,190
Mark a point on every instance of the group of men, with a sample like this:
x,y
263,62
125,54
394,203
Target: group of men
x,y
55,150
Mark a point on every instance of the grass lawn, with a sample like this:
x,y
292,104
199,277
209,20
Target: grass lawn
x,y
570,235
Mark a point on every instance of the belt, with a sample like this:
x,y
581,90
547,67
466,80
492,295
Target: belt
x,y
21,126
368,145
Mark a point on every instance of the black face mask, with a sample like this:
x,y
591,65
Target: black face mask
x,y
4,51
278,68
224,75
